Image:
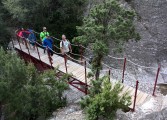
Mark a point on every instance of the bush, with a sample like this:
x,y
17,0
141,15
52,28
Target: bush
x,y
24,93
104,100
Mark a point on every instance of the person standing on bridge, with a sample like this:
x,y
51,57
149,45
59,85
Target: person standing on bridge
x,y
43,35
48,43
65,47
32,38
23,35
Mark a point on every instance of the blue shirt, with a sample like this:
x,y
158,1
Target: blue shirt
x,y
32,36
48,42
25,33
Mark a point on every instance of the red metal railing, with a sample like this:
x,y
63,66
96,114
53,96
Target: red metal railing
x,y
109,73
18,41
38,51
124,68
65,62
86,89
156,79
134,102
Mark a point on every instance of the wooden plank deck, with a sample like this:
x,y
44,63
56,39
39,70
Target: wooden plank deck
x,y
78,72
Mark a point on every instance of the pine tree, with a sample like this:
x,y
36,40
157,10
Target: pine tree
x,y
59,16
106,23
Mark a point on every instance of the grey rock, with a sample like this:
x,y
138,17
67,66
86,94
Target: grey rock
x,y
71,110
164,76
120,115
162,115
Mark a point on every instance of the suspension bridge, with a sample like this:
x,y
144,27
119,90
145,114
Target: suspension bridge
x,y
77,68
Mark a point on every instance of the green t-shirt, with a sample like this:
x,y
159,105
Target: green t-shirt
x,y
43,35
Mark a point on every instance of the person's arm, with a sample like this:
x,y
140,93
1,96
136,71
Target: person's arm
x,y
70,48
35,38
16,31
20,34
30,37
52,40
27,32
41,36
61,48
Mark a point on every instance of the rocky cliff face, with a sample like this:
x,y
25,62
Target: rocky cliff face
x,y
152,26
151,50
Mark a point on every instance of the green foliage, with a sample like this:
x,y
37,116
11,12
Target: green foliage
x,y
59,16
26,94
104,100
4,33
106,23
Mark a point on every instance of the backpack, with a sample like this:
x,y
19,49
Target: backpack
x,y
45,33
63,43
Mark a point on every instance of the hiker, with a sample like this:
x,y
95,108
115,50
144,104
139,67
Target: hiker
x,y
65,47
23,34
43,35
48,43
32,38
18,33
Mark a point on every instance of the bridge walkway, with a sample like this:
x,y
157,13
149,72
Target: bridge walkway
x,y
78,71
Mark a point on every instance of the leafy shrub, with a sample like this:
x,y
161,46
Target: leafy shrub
x,y
104,100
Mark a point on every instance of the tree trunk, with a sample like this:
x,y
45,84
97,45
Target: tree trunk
x,y
97,74
98,66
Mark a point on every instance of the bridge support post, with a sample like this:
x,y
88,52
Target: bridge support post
x,y
37,51
124,67
134,104
156,79
86,88
65,62
109,73
18,42
27,46
81,52
49,57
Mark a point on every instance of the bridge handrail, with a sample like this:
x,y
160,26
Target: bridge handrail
x,y
55,51
108,56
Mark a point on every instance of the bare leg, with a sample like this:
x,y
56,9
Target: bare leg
x,y
29,44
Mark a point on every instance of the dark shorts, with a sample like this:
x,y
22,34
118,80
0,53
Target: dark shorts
x,y
67,54
50,52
